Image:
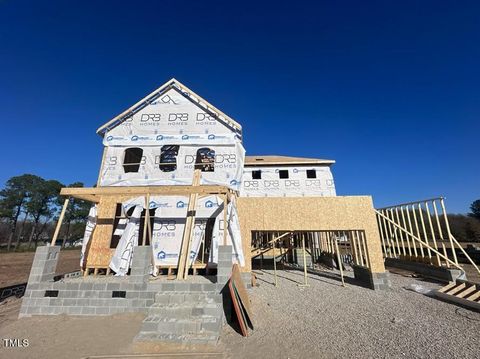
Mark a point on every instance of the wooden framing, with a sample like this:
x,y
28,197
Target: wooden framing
x,y
60,220
94,194
107,198
183,259
426,235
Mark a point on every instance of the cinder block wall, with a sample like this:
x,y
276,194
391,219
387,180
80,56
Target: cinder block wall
x,y
110,295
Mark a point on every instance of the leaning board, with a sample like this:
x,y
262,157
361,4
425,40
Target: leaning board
x,y
238,308
242,291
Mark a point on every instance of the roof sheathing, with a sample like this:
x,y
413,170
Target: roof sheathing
x,y
182,89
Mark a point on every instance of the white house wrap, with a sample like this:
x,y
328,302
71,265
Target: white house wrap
x,y
169,225
122,257
91,223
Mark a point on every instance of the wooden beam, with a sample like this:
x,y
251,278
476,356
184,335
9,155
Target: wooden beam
x,y
274,263
146,220
182,272
305,283
225,219
142,190
339,260
60,220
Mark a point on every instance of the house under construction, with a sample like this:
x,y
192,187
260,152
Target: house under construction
x,y
177,203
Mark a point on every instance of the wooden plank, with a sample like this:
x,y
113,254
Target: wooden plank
x,y
184,254
93,192
225,219
242,290
466,292
462,301
245,317
60,220
238,311
146,220
447,287
474,297
456,289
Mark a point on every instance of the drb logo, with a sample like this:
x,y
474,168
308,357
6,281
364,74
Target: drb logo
x,y
292,183
150,117
271,184
228,158
183,117
168,225
204,117
312,183
250,184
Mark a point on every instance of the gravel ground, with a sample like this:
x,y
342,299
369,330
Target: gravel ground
x,y
326,320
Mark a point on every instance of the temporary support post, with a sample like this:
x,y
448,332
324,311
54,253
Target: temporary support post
x,y
429,217
340,266
60,220
183,260
225,219
274,262
146,220
449,234
305,284
410,228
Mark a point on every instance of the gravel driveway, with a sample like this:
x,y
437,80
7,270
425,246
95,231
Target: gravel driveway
x,y
326,320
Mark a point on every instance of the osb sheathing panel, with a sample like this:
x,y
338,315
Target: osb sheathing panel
x,y
100,253
310,214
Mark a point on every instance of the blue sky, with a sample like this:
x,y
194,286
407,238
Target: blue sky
x,y
389,89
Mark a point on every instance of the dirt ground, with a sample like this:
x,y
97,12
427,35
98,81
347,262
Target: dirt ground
x,y
324,320
15,267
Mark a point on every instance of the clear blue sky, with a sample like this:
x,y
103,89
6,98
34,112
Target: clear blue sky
x,y
389,89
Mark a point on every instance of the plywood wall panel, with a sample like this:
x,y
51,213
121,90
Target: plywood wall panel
x,y
311,214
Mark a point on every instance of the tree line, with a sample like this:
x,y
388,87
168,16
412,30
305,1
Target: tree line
x,y
29,209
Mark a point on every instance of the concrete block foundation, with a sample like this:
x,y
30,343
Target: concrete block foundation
x,y
375,281
438,273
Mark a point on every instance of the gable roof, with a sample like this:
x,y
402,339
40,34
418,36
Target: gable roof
x,y
284,160
173,83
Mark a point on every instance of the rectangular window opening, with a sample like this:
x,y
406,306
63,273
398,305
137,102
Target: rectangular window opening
x,y
283,174
168,158
205,160
133,159
257,175
311,174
